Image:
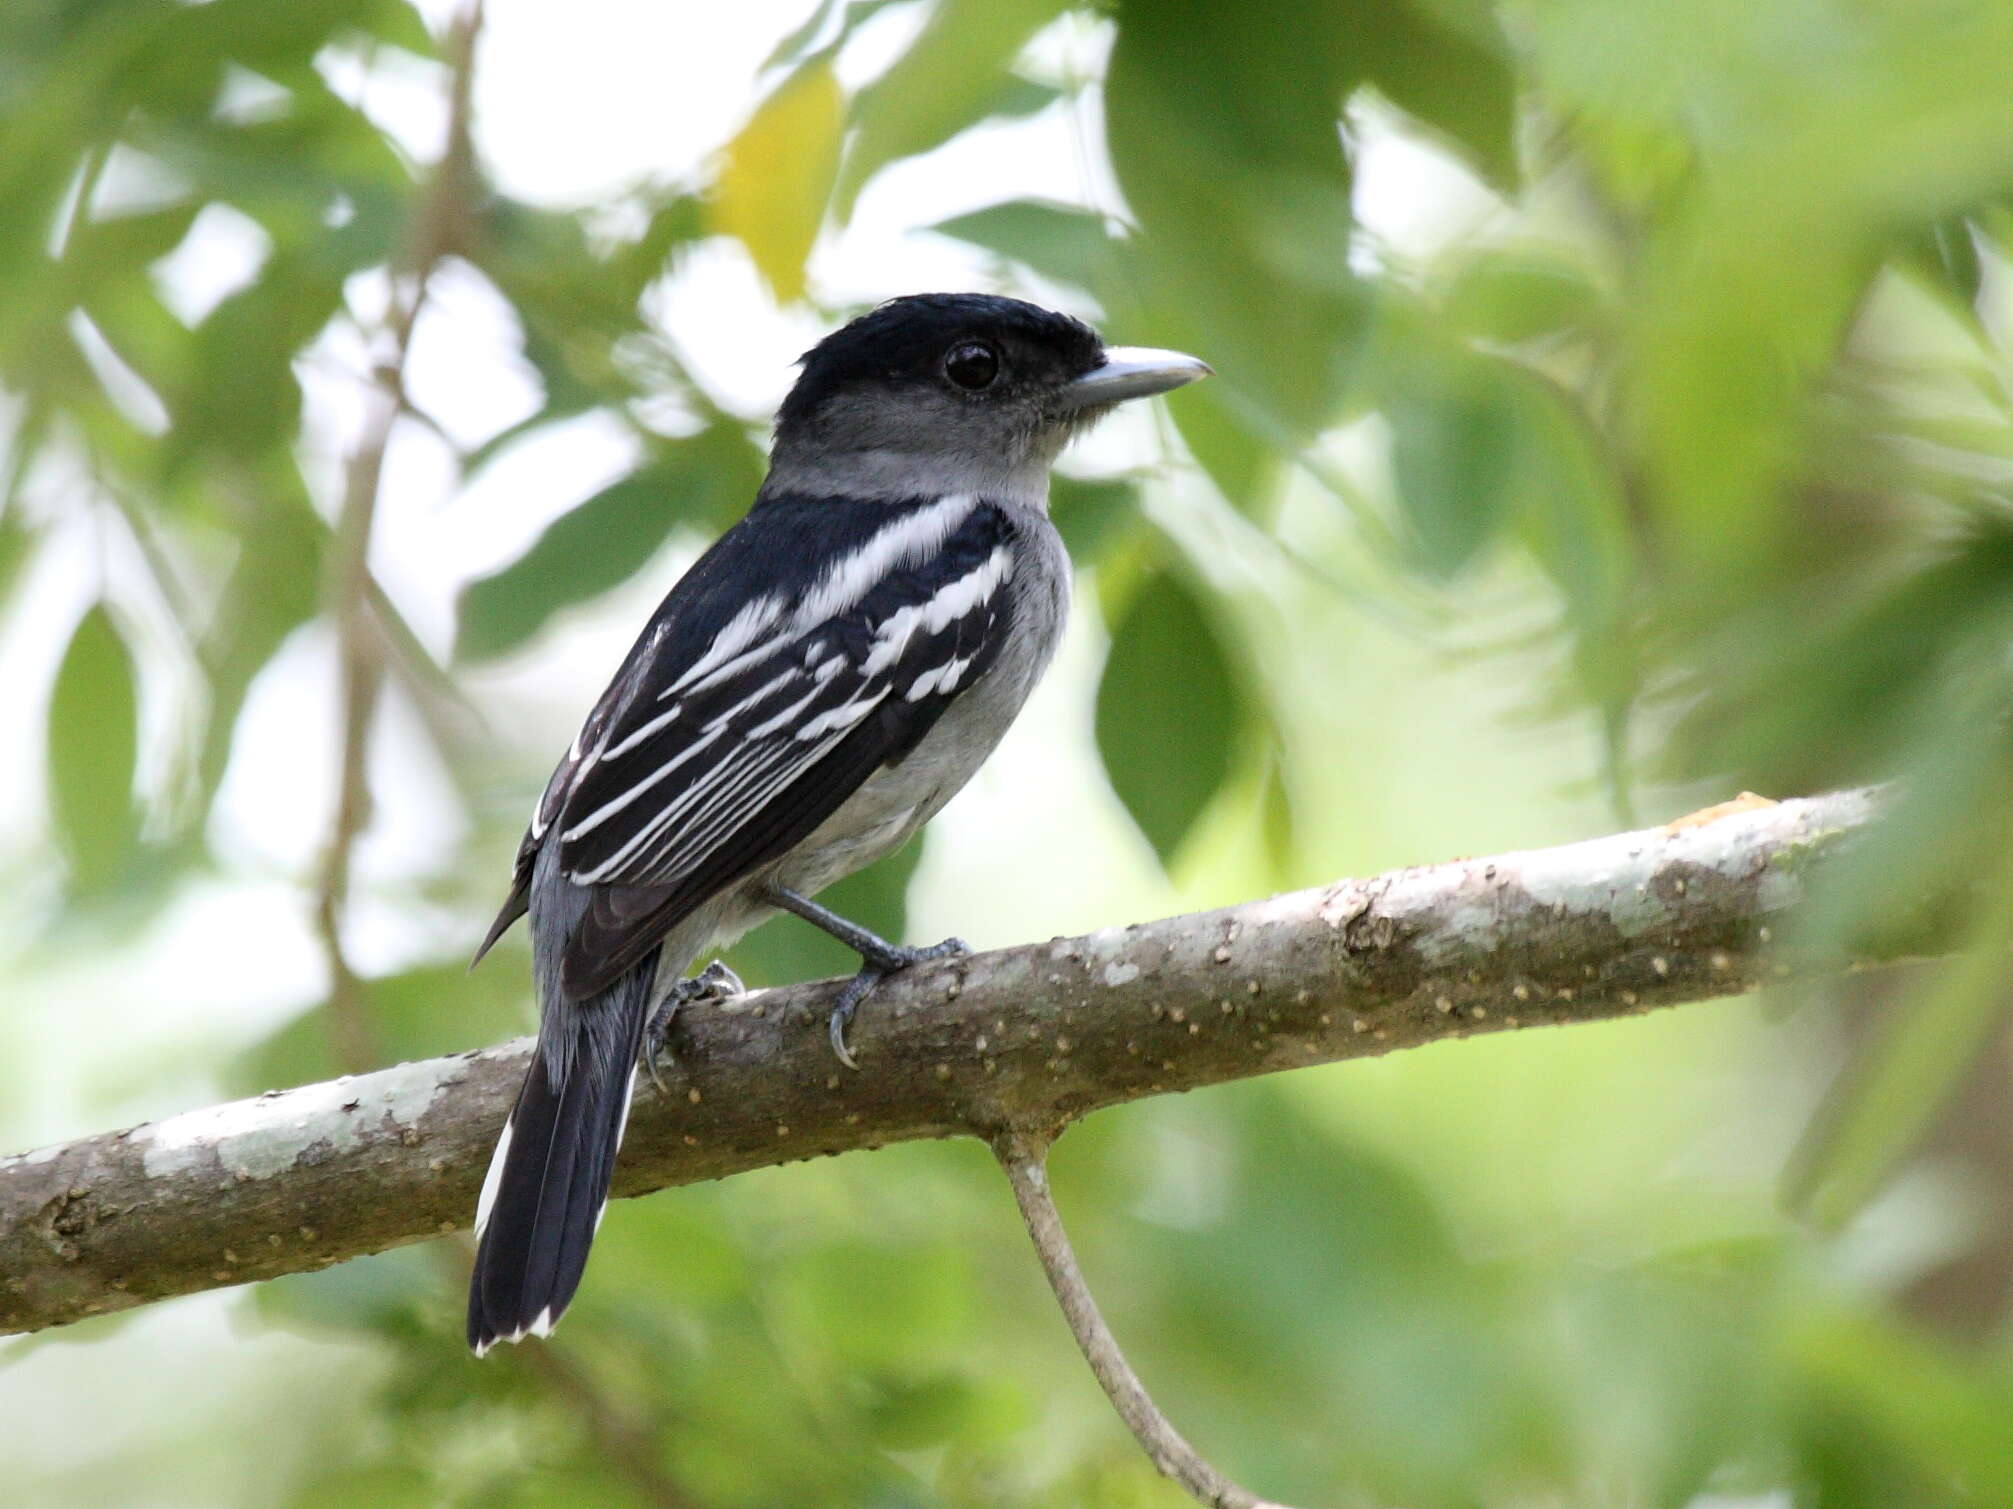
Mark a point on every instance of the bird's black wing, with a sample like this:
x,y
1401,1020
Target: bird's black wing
x,y
818,641
553,798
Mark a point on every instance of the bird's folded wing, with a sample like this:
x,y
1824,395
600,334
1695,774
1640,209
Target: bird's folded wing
x,y
817,642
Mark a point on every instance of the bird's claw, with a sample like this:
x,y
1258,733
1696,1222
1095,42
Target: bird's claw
x,y
851,994
653,1046
872,972
714,984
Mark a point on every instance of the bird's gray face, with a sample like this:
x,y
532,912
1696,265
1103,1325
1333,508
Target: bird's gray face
x,y
955,393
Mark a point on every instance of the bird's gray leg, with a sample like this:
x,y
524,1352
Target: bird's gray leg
x,y
878,957
716,982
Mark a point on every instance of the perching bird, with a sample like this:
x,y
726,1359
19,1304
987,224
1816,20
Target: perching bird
x,y
821,681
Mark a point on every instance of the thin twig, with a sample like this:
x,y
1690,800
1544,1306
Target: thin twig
x,y
1024,1157
360,649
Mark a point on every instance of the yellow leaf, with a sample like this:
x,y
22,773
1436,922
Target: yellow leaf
x,y
777,177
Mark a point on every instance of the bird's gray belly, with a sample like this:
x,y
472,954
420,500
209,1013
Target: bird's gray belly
x,y
898,799
887,809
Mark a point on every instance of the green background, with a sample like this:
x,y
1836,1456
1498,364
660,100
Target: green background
x,y
1612,413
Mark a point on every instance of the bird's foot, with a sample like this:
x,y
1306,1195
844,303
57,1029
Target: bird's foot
x,y
876,965
716,985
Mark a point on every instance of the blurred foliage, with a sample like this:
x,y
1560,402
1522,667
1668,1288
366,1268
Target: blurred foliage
x,y
1690,417
93,742
1169,709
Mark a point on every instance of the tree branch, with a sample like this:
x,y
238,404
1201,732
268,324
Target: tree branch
x,y
1024,1159
439,215
1020,1040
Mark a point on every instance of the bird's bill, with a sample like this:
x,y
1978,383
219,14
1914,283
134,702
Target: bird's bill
x,y
1134,372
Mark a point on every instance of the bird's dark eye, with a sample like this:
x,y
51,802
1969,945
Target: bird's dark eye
x,y
972,364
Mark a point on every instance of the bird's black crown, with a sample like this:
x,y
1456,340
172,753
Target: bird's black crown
x,y
905,341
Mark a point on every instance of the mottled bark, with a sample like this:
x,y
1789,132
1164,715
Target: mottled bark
x,y
1021,1039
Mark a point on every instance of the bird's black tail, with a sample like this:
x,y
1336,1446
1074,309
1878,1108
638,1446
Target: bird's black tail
x,y
548,1179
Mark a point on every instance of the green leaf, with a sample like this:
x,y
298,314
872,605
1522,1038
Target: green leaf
x,y
1507,296
1931,1413
242,398
1225,138
1024,97
1059,241
1446,78
139,327
1456,456
954,76
274,587
577,299
292,172
910,1413
1572,514
777,176
125,244
1787,225
1279,829
794,48
1942,834
1884,1103
17,546
93,749
1480,446
1483,447
1231,450
609,538
1169,714
1573,519
1837,683
286,38
1091,514
1946,252
675,222
796,45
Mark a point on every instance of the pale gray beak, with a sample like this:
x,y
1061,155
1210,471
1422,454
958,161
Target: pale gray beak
x,y
1133,372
